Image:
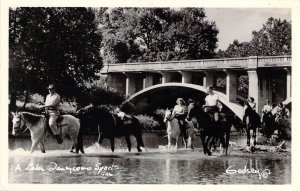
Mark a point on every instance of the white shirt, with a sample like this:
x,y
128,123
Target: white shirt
x,y
52,100
267,108
211,100
179,109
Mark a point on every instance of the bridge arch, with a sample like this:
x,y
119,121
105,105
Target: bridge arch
x,y
234,107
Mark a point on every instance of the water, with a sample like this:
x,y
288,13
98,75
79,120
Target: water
x,y
156,165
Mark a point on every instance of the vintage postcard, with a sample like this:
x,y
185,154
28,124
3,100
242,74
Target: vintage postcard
x,y
149,94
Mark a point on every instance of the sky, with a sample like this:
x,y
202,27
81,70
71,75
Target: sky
x,y
238,23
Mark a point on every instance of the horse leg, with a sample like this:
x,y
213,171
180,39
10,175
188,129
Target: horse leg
x,y
227,141
169,142
42,147
222,145
127,138
207,141
254,136
176,143
248,136
112,144
33,146
140,142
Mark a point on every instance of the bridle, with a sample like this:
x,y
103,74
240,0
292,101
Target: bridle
x,y
170,117
19,127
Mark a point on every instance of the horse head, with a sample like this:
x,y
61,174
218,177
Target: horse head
x,y
168,114
18,123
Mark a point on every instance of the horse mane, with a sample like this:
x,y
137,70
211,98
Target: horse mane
x,y
31,118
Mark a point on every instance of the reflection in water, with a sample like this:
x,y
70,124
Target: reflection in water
x,y
156,166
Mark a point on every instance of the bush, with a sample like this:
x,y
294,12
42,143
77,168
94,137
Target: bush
x,y
148,123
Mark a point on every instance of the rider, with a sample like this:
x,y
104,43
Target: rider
x,y
212,105
250,103
179,112
267,109
282,111
51,107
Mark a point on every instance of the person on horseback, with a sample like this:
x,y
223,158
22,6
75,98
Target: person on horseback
x,y
249,108
52,109
281,112
212,105
266,110
179,113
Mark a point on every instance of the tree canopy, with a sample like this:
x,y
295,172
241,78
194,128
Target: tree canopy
x,y
273,39
53,45
156,34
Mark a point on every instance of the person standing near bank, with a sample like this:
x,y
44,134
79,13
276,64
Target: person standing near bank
x,y
51,106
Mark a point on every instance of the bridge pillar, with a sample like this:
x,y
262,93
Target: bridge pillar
x,y
254,90
231,85
186,77
147,81
130,84
288,82
208,79
166,77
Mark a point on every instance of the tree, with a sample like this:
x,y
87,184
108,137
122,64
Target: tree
x,y
273,39
53,45
156,34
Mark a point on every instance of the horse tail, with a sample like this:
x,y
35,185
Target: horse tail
x,y
80,140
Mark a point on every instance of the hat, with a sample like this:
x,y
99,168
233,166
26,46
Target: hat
x,y
180,99
51,86
191,100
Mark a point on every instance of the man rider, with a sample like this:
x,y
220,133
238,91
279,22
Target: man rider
x,y
212,104
51,107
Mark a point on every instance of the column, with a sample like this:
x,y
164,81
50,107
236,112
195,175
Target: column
x,y
288,83
208,79
147,81
166,77
130,84
231,85
186,77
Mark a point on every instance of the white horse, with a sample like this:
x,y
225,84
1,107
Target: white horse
x,y
173,130
37,125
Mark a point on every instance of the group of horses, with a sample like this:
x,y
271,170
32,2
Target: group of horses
x,y
109,125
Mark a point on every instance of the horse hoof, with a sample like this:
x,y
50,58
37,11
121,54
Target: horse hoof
x,y
71,151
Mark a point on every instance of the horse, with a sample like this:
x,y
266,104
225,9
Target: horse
x,y
37,125
111,126
173,130
210,131
268,124
252,122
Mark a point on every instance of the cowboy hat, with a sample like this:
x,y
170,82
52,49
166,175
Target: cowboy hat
x,y
51,86
180,99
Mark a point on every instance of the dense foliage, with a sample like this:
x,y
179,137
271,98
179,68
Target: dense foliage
x,y
53,45
156,34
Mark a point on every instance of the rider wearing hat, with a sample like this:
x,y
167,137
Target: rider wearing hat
x,y
51,107
179,112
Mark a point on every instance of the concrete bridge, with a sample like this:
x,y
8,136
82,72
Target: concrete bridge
x,y
269,77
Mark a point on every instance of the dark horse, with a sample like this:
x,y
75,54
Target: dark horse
x,y
252,122
110,126
209,130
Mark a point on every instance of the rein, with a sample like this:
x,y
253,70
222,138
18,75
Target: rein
x,y
21,119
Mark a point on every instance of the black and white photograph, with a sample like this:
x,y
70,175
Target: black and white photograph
x,y
185,95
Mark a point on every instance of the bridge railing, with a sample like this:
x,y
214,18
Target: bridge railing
x,y
226,63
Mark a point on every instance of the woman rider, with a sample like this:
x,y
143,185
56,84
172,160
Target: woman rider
x,y
179,113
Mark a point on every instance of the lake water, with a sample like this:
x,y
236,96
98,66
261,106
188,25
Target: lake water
x,y
156,165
